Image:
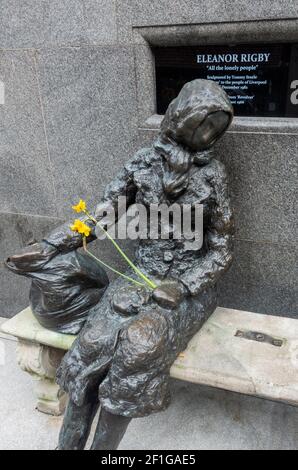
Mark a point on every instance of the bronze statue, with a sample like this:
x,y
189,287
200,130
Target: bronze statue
x,y
123,354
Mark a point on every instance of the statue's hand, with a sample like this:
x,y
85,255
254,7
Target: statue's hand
x,y
31,258
170,294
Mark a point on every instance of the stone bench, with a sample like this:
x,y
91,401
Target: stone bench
x,y
240,351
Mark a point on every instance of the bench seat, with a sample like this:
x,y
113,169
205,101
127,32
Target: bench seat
x,y
244,352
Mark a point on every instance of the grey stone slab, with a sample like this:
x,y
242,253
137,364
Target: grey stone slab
x,y
15,232
259,298
260,125
51,23
262,172
89,97
264,264
240,124
24,326
145,82
26,179
186,34
156,13
217,356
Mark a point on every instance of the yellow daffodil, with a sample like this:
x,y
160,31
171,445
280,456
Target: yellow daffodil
x,y
80,227
80,207
83,229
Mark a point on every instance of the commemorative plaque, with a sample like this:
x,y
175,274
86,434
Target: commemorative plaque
x,y
260,79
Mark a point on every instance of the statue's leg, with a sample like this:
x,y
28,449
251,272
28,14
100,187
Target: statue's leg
x,y
110,431
76,425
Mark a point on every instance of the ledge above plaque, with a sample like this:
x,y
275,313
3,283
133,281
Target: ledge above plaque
x,y
260,79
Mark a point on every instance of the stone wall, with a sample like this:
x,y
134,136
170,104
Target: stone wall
x,y
79,100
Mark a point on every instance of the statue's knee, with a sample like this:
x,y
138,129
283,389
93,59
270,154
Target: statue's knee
x,y
144,340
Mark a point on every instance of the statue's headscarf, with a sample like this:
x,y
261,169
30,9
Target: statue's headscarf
x,y
197,99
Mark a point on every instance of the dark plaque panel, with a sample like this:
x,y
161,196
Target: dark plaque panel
x,y
260,79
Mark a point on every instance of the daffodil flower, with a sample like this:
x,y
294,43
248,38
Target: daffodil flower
x,y
80,207
80,227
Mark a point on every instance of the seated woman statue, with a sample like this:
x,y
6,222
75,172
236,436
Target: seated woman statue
x,y
122,357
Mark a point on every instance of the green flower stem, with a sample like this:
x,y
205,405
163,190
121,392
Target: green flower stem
x,y
109,267
136,270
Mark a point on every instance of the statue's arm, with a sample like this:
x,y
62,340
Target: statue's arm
x,y
123,186
63,239
219,236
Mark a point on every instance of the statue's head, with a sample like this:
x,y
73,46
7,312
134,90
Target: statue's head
x,y
199,116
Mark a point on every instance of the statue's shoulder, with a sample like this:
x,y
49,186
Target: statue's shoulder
x,y
216,170
141,159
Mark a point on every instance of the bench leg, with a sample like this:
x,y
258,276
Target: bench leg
x,y
41,362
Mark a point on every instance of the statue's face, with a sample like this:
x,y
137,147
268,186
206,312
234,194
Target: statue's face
x,y
205,135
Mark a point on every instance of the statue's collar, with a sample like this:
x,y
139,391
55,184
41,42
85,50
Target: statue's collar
x,y
198,158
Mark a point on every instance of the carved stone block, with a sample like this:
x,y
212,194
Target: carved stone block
x,y
41,362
